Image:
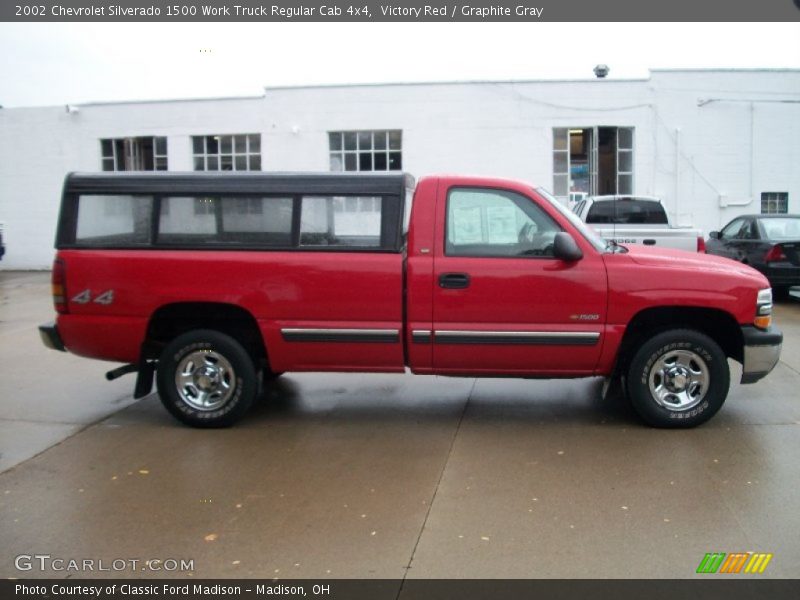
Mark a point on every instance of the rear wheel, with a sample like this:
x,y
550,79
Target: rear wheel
x,y
678,378
206,379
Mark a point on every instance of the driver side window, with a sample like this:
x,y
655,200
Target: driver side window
x,y
731,232
497,223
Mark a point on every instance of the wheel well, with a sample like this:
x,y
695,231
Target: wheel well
x,y
172,320
716,324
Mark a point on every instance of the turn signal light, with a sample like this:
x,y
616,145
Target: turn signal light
x,y
701,244
763,321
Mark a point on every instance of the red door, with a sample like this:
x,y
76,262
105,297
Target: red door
x,y
502,304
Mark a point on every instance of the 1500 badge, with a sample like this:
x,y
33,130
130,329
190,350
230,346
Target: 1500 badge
x,y
85,297
591,317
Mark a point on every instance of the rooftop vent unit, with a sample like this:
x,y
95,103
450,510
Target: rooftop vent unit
x,y
600,71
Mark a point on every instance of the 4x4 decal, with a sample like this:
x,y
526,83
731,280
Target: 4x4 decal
x,y
85,297
105,297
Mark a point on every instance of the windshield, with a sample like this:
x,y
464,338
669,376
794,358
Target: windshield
x,y
585,231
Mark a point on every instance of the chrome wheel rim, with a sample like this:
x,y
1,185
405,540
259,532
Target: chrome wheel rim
x,y
679,380
205,380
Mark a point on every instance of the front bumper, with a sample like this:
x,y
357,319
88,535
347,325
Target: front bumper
x,y
762,350
50,337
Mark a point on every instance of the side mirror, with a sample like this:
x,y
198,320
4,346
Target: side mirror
x,y
714,235
565,248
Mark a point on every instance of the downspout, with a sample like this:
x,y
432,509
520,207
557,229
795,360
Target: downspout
x,y
752,149
677,173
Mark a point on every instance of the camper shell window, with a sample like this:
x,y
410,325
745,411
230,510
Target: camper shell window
x,y
309,212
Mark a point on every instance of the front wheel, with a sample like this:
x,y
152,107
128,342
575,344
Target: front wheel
x,y
678,378
206,379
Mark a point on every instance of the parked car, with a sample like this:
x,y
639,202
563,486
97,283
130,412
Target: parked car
x,y
211,280
768,243
637,220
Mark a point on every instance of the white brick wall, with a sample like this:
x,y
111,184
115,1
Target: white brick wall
x,y
689,155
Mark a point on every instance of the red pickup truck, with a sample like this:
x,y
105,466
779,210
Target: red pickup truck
x,y
212,282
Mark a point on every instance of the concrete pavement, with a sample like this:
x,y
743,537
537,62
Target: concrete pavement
x,y
383,476
45,396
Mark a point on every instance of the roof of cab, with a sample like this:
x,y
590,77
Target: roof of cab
x,y
226,182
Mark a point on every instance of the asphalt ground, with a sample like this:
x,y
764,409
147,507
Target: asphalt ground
x,y
384,476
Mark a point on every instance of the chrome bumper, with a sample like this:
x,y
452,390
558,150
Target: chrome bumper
x,y
762,350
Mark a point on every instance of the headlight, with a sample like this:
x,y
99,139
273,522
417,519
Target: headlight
x,y
763,309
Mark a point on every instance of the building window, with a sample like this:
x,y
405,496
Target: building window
x,y
134,154
774,203
366,150
592,161
240,152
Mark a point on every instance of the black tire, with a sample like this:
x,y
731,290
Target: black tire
x,y
781,292
217,391
678,379
267,379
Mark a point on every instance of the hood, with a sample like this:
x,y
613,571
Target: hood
x,y
681,259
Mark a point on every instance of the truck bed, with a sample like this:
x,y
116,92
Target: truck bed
x,y
663,236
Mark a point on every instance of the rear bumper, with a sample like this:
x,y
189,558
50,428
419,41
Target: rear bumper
x,y
762,350
782,276
50,337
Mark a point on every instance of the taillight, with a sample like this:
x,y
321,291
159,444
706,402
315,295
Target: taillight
x,y
775,254
701,244
59,286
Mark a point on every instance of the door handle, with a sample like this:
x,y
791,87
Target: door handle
x,y
454,281
649,242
